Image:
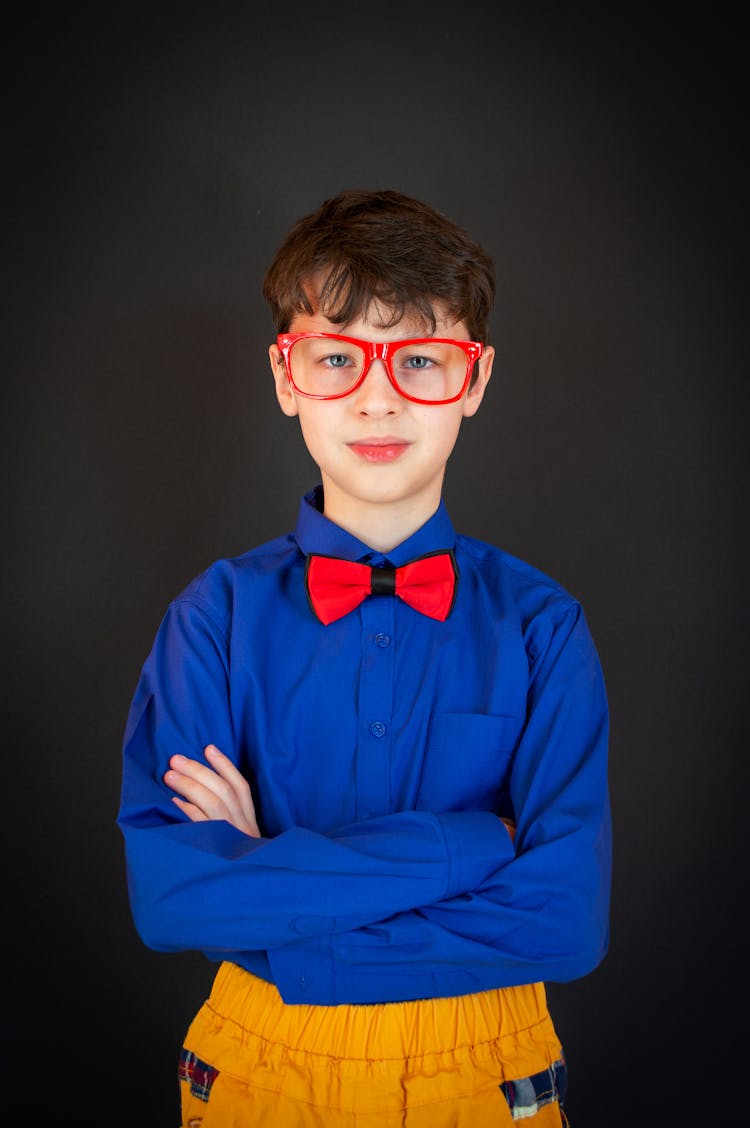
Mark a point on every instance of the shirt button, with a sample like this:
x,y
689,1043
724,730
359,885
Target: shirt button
x,y
382,640
377,728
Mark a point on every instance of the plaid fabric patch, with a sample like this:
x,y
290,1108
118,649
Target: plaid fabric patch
x,y
199,1074
528,1094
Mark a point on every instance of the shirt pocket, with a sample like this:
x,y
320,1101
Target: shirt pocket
x,y
466,762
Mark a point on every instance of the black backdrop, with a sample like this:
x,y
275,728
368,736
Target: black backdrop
x,y
152,165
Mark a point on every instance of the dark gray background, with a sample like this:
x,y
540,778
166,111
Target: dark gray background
x,y
153,163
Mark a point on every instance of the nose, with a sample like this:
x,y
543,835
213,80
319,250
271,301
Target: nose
x,y
376,394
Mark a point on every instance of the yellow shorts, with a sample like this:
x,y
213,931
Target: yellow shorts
x,y
252,1061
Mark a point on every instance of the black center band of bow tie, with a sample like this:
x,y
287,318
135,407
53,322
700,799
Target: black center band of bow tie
x,y
383,581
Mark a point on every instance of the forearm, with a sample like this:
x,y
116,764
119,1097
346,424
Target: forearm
x,y
207,886
541,916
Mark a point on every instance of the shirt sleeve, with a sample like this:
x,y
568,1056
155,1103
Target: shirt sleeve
x,y
542,914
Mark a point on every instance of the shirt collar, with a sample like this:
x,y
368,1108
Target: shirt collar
x,y
315,533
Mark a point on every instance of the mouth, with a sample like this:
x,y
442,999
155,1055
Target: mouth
x,y
379,450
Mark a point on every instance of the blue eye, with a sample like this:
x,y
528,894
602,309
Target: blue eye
x,y
337,360
416,363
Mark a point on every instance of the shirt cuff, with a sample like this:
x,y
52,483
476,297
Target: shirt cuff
x,y
478,844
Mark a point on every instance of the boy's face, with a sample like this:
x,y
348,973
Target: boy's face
x,y
382,458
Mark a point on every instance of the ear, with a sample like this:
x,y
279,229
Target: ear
x,y
284,390
475,394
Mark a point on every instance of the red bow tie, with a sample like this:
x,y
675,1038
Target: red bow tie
x,y
335,587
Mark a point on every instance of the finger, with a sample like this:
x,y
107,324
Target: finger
x,y
205,798
226,769
242,795
217,796
195,814
209,805
201,773
220,777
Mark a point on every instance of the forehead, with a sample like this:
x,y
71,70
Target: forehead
x,y
374,324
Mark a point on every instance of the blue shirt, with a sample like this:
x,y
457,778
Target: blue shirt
x,y
380,750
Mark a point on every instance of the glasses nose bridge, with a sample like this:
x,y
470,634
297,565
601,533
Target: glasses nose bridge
x,y
376,350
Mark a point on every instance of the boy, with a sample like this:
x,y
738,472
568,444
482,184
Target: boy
x,y
365,765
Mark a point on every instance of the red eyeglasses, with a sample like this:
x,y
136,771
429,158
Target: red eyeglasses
x,y
429,370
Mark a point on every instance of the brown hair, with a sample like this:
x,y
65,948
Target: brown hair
x,y
383,247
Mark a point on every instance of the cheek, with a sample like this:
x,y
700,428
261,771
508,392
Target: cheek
x,y
317,427
442,430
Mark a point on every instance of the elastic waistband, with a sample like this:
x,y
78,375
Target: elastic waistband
x,y
381,1030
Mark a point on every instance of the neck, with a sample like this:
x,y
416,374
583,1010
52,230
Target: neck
x,y
380,526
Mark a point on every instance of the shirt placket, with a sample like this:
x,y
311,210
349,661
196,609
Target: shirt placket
x,y
375,707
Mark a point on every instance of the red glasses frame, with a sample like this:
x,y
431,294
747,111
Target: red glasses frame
x,y
380,350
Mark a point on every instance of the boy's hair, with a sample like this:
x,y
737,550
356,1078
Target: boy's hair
x,y
385,247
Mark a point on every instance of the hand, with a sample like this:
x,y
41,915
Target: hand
x,y
216,792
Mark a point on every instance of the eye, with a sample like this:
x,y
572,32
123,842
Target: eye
x,y
417,362
337,360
